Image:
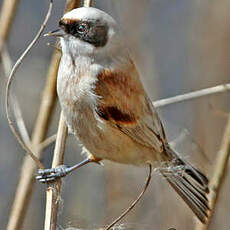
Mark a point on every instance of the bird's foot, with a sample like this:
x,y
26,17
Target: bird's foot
x,y
53,174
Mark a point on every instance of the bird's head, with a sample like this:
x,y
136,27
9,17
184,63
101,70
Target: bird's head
x,y
87,30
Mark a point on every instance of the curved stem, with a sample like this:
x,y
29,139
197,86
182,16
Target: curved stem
x,y
134,202
10,79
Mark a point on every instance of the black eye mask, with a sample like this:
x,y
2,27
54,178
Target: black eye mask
x,y
92,32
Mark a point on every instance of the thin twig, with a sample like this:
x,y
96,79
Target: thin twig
x,y
192,95
48,141
6,19
53,189
7,65
11,77
135,202
219,175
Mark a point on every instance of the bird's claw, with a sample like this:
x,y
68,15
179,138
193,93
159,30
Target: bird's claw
x,y
53,174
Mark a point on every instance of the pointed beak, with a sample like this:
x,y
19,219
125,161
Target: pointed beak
x,y
55,33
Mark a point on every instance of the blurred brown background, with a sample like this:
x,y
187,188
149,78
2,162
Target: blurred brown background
x,y
179,46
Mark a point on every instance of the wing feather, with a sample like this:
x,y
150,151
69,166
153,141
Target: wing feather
x,y
124,104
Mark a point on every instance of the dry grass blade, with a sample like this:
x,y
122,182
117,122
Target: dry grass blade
x,y
134,202
192,95
219,174
9,82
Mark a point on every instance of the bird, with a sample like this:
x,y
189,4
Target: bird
x,y
106,107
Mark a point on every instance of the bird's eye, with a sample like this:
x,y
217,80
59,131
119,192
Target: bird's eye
x,y
81,28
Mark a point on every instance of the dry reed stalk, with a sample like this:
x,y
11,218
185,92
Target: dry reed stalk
x,y
219,174
6,19
53,189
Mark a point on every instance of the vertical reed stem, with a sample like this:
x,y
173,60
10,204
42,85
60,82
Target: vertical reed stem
x,y
219,174
54,189
6,19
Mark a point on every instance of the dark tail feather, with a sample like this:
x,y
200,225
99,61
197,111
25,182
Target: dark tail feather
x,y
190,184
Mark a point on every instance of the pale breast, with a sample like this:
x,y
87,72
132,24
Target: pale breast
x,y
75,89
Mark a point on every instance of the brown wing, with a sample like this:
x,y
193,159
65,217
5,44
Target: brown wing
x,y
124,104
